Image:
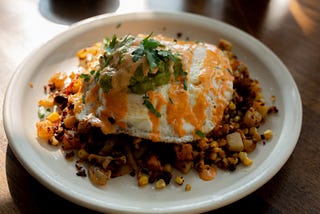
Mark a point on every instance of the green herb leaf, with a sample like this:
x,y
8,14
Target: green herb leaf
x,y
137,54
86,77
104,60
149,105
84,98
152,59
200,134
166,54
185,84
112,45
126,41
148,47
149,43
177,68
97,75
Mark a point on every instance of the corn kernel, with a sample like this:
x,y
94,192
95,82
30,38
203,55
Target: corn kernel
x,y
247,162
93,50
53,117
222,142
232,160
82,53
45,129
225,45
213,144
179,180
232,106
236,118
213,156
267,134
160,184
167,167
143,180
245,131
48,103
225,161
261,107
220,152
253,131
187,187
259,96
58,79
76,86
244,159
82,154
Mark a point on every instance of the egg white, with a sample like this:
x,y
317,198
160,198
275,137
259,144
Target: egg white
x,y
137,118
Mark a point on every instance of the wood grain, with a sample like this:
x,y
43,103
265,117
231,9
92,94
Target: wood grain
x,y
290,28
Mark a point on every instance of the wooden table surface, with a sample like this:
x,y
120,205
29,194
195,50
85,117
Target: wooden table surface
x,y
290,28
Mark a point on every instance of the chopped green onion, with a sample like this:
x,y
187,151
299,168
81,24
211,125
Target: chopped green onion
x,y
149,105
200,134
43,112
185,85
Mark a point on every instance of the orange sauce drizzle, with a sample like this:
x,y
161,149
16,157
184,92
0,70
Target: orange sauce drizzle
x,y
220,76
156,97
116,108
179,109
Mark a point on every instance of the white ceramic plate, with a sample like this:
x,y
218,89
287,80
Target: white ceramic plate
x,y
49,166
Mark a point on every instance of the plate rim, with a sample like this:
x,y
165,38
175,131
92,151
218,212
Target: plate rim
x,y
97,19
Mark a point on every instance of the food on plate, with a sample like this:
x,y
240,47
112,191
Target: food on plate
x,y
145,105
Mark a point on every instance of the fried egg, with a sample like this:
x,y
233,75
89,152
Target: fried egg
x,y
177,110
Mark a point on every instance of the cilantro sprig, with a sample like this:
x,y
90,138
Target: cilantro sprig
x,y
87,76
149,48
111,45
163,65
159,63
